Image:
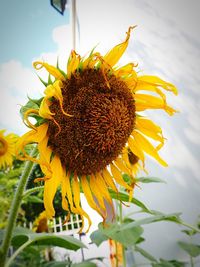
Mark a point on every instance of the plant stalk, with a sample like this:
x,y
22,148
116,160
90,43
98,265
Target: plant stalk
x,y
32,190
191,261
123,248
14,210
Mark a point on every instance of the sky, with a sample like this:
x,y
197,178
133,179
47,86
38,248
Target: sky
x,y
166,43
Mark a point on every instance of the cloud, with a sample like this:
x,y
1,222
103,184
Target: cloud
x,y
16,83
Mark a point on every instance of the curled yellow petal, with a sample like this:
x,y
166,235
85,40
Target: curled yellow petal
x,y
76,191
51,69
88,194
147,147
109,180
150,129
52,90
45,156
113,56
67,191
51,186
73,62
154,81
26,115
144,102
118,177
33,136
120,164
97,194
102,187
135,148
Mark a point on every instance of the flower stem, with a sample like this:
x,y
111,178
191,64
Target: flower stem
x,y
191,261
20,249
121,220
32,190
14,210
190,226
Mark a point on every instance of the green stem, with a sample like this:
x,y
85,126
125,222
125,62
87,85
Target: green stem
x,y
32,190
17,252
123,248
190,226
14,210
191,261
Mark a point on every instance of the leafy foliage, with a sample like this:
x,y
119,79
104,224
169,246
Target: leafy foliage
x,y
192,249
8,182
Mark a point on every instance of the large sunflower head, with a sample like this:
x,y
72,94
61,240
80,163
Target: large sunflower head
x,y
89,130
7,149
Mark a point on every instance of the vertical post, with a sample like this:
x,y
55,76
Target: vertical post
x,y
73,23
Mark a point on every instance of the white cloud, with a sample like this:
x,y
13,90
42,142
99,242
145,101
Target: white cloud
x,y
16,83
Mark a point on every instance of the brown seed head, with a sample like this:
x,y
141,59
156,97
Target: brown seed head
x,y
103,118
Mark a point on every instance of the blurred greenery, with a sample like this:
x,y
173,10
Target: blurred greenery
x,y
30,248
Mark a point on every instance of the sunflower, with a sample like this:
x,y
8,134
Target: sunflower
x,y
7,149
89,131
41,223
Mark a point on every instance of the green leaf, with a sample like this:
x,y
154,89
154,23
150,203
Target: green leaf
x,y
34,199
84,264
31,104
98,237
189,232
22,236
145,254
57,264
155,218
147,180
192,249
125,198
127,237
140,240
171,263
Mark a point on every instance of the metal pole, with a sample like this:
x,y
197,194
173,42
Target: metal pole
x,y
73,23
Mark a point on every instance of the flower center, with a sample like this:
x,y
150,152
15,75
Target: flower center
x,y
3,146
103,118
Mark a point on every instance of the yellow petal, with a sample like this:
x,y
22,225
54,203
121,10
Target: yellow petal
x,y
51,69
44,110
67,191
121,166
118,177
26,115
109,180
76,191
156,81
73,63
45,156
97,193
144,102
125,158
150,129
147,147
113,56
33,136
102,187
126,70
51,186
135,148
88,194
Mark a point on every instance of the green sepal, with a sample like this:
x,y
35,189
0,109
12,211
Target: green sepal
x,y
80,67
31,104
42,81
49,80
